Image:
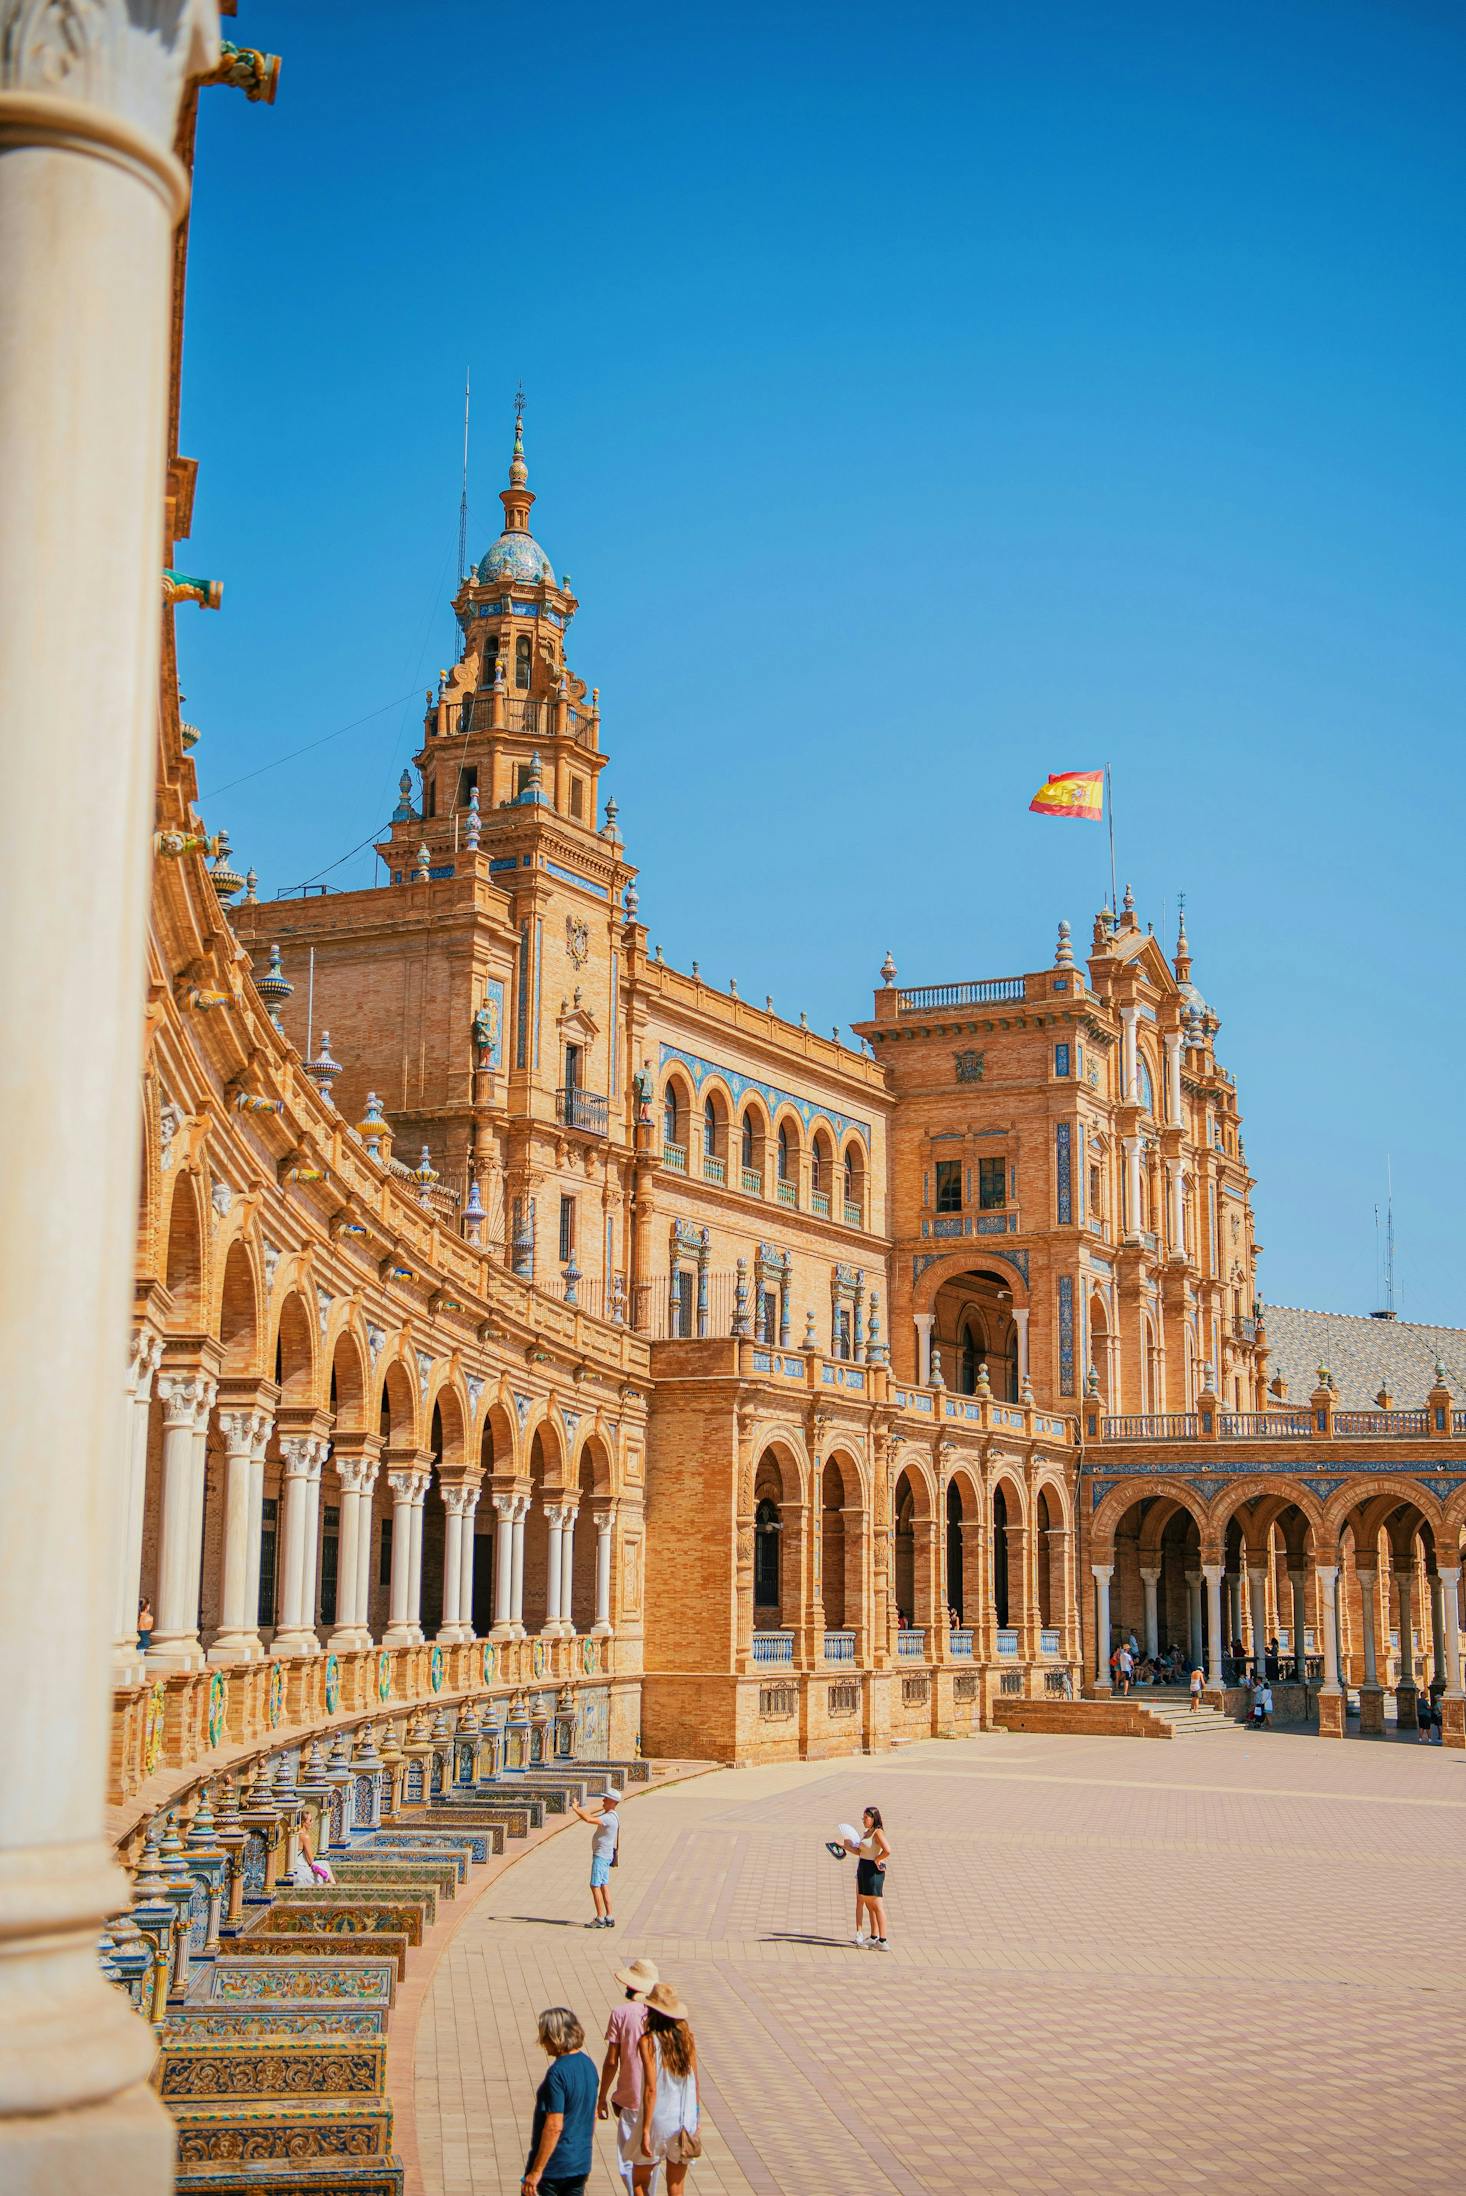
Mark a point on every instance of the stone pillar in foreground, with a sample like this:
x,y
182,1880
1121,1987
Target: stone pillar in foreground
x,y
1213,1574
90,195
1103,1573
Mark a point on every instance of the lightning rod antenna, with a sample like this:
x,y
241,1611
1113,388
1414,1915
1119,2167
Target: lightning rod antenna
x,y
463,499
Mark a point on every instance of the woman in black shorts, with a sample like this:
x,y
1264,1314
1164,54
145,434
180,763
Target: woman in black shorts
x,y
872,1853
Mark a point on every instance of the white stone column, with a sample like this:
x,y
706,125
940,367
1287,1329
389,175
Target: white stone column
x,y
366,1556
1129,1078
186,1399
1437,1629
311,1566
1212,1573
1405,1589
1103,1573
127,1661
554,1519
399,1622
504,1509
302,1456
356,1476
453,1506
567,1572
1176,1221
1368,1588
466,1561
1173,1076
1132,1185
1020,1322
1257,1603
246,1434
516,1588
1193,1618
605,1528
1450,1577
1297,1581
414,1560
1150,1580
1327,1577
922,1321
90,195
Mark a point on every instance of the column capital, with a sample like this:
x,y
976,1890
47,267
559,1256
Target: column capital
x,y
408,1485
186,1397
1329,1571
459,1499
302,1455
1214,1573
246,1431
605,1519
1104,1572
357,1473
1150,1577
1366,1576
122,63
144,1358
1449,1574
505,1505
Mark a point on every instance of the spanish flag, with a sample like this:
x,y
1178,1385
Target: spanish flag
x,y
1078,793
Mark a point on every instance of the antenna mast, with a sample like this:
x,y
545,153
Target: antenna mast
x,y
463,499
1389,1238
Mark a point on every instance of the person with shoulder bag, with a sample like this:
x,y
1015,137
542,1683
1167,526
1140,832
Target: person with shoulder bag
x,y
669,2100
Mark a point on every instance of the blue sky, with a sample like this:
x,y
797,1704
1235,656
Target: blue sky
x,y
919,402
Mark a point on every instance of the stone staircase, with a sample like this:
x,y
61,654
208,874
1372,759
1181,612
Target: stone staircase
x,y
1144,1714
272,2002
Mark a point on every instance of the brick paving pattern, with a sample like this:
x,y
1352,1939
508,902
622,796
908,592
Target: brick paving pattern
x,y
1115,1965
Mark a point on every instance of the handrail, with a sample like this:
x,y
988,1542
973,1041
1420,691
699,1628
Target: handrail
x,y
990,991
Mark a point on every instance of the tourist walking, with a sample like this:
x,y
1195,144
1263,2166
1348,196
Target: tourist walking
x,y
669,2101
1422,1718
144,1625
621,2082
1125,1663
872,1850
603,1847
1263,1700
1198,1680
564,2110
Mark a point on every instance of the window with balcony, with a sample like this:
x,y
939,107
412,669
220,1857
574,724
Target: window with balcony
x,y
522,663
949,1185
992,1184
577,799
567,1230
467,784
768,1531
682,1302
785,1155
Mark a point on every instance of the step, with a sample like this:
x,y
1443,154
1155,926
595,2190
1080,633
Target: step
x,y
371,2176
197,2069
211,2132
340,1976
316,2017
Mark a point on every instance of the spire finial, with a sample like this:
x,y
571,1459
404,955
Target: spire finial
x,y
518,470
1183,946
1064,957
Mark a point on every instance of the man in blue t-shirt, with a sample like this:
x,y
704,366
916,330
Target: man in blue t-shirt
x,y
564,2110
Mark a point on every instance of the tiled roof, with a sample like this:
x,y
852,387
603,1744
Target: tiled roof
x,y
1362,1354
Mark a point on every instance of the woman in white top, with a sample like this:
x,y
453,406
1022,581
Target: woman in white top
x,y
669,2103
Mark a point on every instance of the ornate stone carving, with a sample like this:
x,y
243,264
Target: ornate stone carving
x,y
128,56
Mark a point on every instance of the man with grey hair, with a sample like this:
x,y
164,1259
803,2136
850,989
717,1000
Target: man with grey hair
x,y
607,1821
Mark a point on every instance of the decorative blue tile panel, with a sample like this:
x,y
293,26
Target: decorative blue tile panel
x,y
573,876
1064,1172
1061,1059
1066,1334
772,1096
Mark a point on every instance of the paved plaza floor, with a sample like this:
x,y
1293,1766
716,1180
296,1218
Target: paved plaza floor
x,y
1117,1965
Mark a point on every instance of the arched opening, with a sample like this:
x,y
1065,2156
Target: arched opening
x,y
915,1554
593,1480
821,1173
956,1573
840,1543
1099,1345
522,663
1001,1604
184,1270
239,1324
676,1117
1157,1595
496,1459
973,1326
546,1474
853,1184
714,1137
786,1161
779,1553
904,1553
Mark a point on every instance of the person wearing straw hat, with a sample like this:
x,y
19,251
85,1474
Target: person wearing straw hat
x,y
669,2100
602,1852
621,2072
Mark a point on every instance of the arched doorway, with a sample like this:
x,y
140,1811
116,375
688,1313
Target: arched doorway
x,y
974,1324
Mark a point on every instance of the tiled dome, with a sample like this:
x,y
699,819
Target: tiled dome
x,y
517,556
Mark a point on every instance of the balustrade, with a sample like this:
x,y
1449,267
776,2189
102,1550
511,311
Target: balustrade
x,y
1007,1642
990,990
959,1639
911,1645
839,1646
773,1648
1049,1640
713,1169
789,1195
752,1181
674,1158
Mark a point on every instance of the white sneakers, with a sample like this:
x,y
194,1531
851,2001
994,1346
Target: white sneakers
x,y
860,1939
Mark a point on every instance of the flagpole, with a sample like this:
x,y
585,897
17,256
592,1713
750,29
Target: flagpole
x,y
1110,816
